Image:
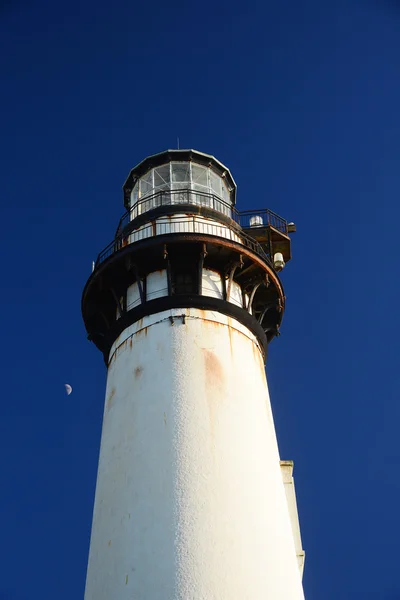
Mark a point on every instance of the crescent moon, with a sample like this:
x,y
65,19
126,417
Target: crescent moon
x,y
68,388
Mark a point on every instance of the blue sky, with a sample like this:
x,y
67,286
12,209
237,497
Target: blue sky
x,y
301,100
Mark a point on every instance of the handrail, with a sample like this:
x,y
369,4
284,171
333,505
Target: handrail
x,y
197,198
174,223
173,197
268,218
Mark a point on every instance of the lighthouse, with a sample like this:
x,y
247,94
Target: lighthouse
x,y
192,499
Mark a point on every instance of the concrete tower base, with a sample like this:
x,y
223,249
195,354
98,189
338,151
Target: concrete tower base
x,y
190,502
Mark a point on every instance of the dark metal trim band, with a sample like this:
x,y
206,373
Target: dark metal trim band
x,y
152,307
173,238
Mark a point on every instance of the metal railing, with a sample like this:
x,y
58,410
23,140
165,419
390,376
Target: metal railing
x,y
246,219
190,224
174,198
260,218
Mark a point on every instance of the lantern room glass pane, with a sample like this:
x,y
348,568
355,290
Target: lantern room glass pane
x,y
181,172
162,177
199,175
225,192
134,194
146,184
180,183
215,183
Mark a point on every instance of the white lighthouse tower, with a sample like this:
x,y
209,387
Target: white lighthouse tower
x,y
192,501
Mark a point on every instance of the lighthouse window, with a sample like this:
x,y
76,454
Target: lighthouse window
x,y
200,185
146,184
225,192
180,183
184,281
216,184
199,177
134,195
161,178
183,284
180,172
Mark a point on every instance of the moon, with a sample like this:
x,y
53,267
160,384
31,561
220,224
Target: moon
x,y
68,388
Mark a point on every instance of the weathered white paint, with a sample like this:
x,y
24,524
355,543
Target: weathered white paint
x,y
141,233
288,480
183,223
190,502
235,295
212,284
132,296
157,285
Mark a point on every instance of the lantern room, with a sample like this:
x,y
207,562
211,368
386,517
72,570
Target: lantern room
x,y
179,177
